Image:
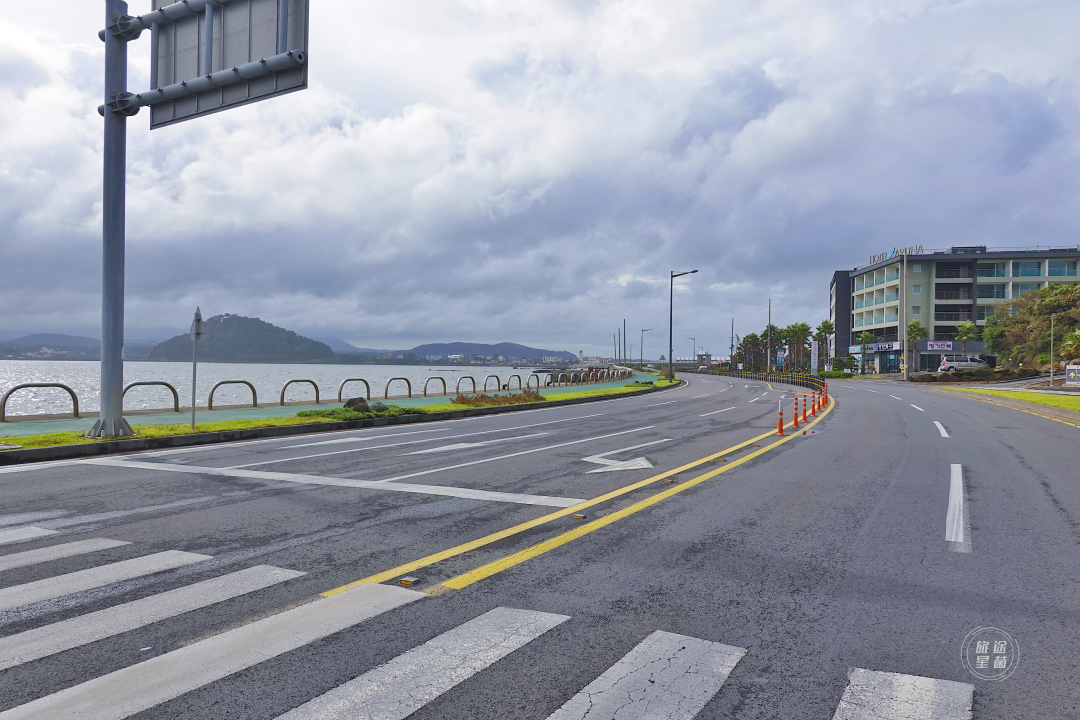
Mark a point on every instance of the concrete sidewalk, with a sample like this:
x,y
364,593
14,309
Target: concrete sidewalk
x,y
20,428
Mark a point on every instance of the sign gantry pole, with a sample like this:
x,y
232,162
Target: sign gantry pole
x,y
111,421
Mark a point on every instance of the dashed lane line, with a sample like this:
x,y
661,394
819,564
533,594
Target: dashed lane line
x,y
918,408
717,411
941,429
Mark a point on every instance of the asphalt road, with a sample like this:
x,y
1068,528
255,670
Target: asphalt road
x,y
831,575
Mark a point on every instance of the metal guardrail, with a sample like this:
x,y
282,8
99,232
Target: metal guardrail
x,y
175,396
470,378
498,382
442,380
386,391
3,400
341,387
254,396
807,381
528,381
311,382
519,382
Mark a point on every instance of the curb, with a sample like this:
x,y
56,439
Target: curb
x,y
111,447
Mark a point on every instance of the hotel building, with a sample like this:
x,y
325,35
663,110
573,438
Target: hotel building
x,y
942,288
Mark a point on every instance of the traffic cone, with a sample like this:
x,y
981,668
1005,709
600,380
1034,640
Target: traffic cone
x,y
780,424
795,423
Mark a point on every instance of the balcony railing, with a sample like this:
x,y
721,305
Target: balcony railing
x,y
879,301
991,294
997,272
1062,272
952,273
858,304
891,318
1027,272
890,278
892,298
953,316
952,294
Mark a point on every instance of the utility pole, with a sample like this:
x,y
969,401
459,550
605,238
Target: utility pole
x,y
618,346
1051,352
693,350
625,356
196,333
641,350
731,350
768,349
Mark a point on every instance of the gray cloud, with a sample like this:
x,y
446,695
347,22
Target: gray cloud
x,y
485,171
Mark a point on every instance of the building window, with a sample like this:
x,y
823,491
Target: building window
x,y
982,312
992,270
916,309
1027,269
916,268
1060,268
996,290
1022,289
916,289
859,283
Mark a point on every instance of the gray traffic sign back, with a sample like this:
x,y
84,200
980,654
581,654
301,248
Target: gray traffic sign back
x,y
249,58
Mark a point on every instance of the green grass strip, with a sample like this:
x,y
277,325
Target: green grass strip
x,y
1065,403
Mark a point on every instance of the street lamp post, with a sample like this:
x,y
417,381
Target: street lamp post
x,y
1051,352
671,320
641,350
693,350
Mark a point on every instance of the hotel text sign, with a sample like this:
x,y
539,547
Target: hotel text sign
x,y
897,252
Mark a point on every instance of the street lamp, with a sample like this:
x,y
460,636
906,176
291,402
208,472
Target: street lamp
x,y
1052,352
671,320
693,350
641,350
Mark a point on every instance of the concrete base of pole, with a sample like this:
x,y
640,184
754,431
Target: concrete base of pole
x,y
105,428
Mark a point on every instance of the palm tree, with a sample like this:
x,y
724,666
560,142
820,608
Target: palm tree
x,y
966,331
916,332
821,335
796,335
865,339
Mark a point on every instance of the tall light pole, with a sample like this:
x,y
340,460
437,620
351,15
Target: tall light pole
x,y
1051,352
641,350
671,320
693,350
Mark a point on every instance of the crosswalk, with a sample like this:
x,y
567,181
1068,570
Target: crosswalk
x,y
665,675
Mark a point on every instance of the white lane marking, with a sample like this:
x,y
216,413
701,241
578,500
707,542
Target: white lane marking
x,y
764,393
29,517
954,520
610,465
60,585
84,629
717,411
666,676
347,482
941,429
445,429
130,690
663,403
851,387
893,396
869,390
918,408
482,443
410,681
35,466
874,695
55,552
22,534
701,396
755,399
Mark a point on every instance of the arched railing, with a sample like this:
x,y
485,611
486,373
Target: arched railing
x,y
574,376
519,382
254,397
175,396
310,382
559,382
386,391
528,381
498,382
470,378
3,400
442,380
341,387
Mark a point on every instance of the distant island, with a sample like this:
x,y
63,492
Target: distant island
x,y
238,339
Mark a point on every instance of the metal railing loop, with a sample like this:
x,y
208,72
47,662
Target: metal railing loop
x,y
528,381
175,396
470,378
386,391
519,382
310,382
341,387
498,382
3,400
254,396
442,380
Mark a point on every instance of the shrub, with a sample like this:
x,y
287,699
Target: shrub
x,y
374,411
483,400
832,374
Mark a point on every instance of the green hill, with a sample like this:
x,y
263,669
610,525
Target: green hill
x,y
233,338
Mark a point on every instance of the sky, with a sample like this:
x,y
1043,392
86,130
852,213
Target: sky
x,y
531,171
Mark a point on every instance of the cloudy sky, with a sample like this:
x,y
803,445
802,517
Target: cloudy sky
x,y
492,171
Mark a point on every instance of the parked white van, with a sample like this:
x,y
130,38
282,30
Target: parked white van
x,y
950,363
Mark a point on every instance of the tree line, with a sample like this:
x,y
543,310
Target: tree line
x,y
753,349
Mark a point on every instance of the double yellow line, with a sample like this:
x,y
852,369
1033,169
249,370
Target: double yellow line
x,y
492,568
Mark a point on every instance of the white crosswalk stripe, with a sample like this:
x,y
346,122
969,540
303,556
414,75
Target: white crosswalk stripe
x,y
56,552
124,692
408,682
22,534
54,587
57,637
874,695
666,676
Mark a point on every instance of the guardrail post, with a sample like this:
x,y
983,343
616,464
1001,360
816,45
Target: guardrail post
x,y
341,387
254,397
286,385
442,380
386,391
176,397
498,382
74,397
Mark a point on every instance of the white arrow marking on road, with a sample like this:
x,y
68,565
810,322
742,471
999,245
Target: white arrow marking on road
x,y
610,465
460,446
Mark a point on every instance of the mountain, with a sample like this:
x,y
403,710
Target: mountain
x,y
55,341
512,350
234,338
343,348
